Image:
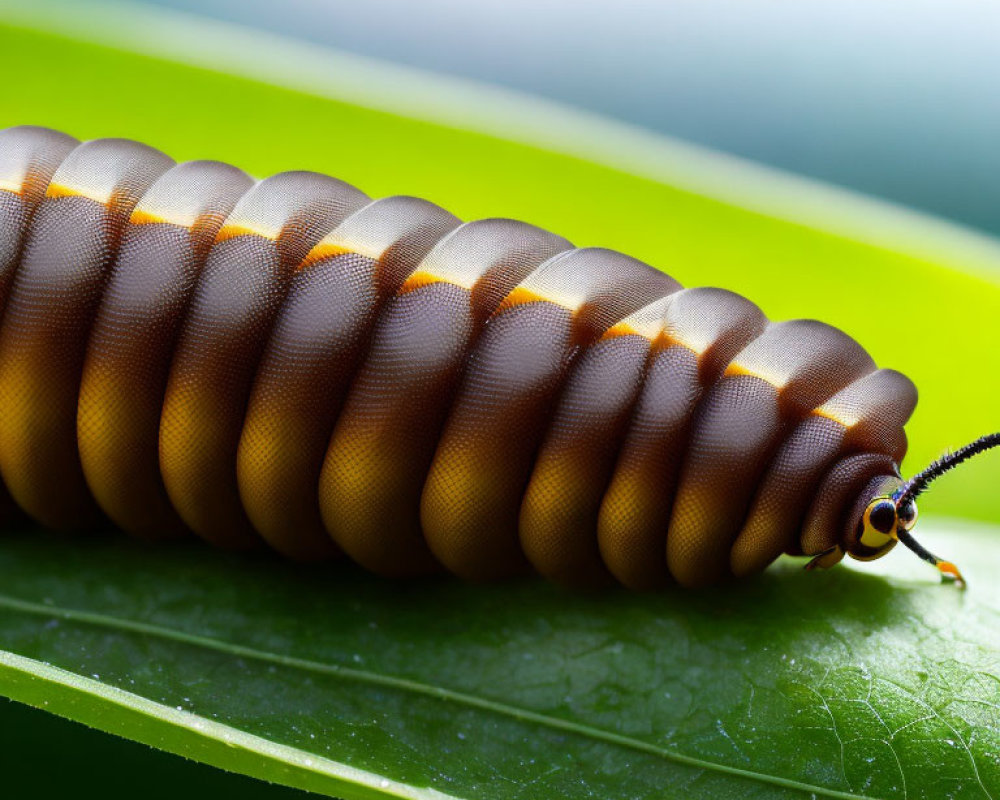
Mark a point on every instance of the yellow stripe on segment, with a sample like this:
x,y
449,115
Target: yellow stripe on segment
x,y
151,212
336,244
736,369
321,252
621,329
140,217
520,296
667,339
838,416
420,279
234,230
655,329
57,190
12,187
659,338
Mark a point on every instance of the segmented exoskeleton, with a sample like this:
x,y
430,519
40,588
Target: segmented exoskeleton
x,y
288,360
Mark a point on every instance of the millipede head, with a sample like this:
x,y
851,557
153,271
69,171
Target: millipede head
x,y
886,512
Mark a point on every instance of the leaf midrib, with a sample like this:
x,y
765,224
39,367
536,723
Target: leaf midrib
x,y
406,685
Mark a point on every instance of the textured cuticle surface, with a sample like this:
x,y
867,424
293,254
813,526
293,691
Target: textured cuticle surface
x,y
424,374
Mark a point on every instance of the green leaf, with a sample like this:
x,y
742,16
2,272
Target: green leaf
x,y
840,684
48,756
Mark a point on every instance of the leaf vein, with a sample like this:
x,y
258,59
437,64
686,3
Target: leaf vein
x,y
412,686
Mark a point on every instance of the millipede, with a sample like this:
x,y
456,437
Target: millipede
x,y
289,362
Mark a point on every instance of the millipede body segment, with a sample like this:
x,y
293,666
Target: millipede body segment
x,y
184,348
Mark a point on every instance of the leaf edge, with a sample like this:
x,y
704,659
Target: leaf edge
x,y
183,733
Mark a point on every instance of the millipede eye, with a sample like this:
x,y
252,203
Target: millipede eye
x,y
883,517
907,513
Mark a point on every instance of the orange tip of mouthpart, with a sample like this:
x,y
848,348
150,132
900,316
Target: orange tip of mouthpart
x,y
950,572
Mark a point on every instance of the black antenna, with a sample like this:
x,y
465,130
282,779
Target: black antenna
x,y
946,568
919,482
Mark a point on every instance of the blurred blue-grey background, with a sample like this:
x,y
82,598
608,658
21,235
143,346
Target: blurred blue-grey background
x,y
894,98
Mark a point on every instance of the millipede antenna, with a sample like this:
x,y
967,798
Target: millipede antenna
x,y
919,482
